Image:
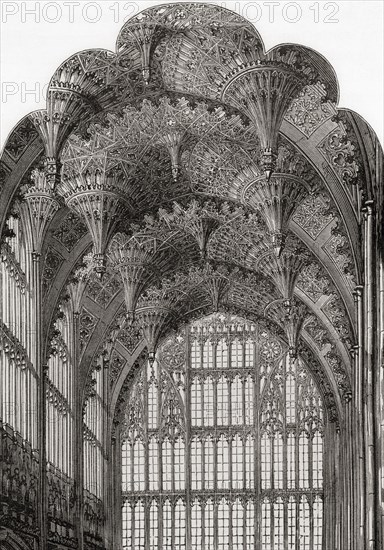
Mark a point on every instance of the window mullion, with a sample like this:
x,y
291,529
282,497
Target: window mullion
x,y
229,380
230,462
312,496
297,462
146,462
285,459
202,379
256,440
173,521
243,380
188,439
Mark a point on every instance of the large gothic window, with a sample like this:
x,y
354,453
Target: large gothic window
x,y
223,445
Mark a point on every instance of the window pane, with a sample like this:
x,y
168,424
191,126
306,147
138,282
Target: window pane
x,y
153,526
196,464
167,526
196,525
222,402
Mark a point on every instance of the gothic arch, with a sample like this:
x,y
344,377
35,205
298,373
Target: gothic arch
x,y
11,541
133,391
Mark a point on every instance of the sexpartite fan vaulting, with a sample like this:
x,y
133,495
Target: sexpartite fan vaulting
x,y
190,227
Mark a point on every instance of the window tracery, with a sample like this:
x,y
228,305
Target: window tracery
x,y
18,377
94,434
227,434
234,451
60,413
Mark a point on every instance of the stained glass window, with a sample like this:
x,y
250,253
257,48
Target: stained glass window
x,y
223,445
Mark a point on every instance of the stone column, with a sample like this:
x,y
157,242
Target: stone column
x,y
117,481
78,437
379,409
41,399
37,209
108,464
369,361
358,445
379,370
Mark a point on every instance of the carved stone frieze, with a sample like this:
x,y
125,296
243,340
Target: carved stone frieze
x,y
335,311
345,117
342,379
61,503
57,399
317,332
52,262
4,173
313,215
70,231
130,336
9,260
310,109
94,515
339,152
87,324
339,251
325,344
19,483
89,393
291,161
21,138
13,347
314,282
102,291
115,366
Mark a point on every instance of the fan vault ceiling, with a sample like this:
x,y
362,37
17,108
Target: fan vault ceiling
x,y
191,172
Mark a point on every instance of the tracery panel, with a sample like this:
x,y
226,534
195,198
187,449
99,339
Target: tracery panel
x,y
231,432
59,395
94,457
18,377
